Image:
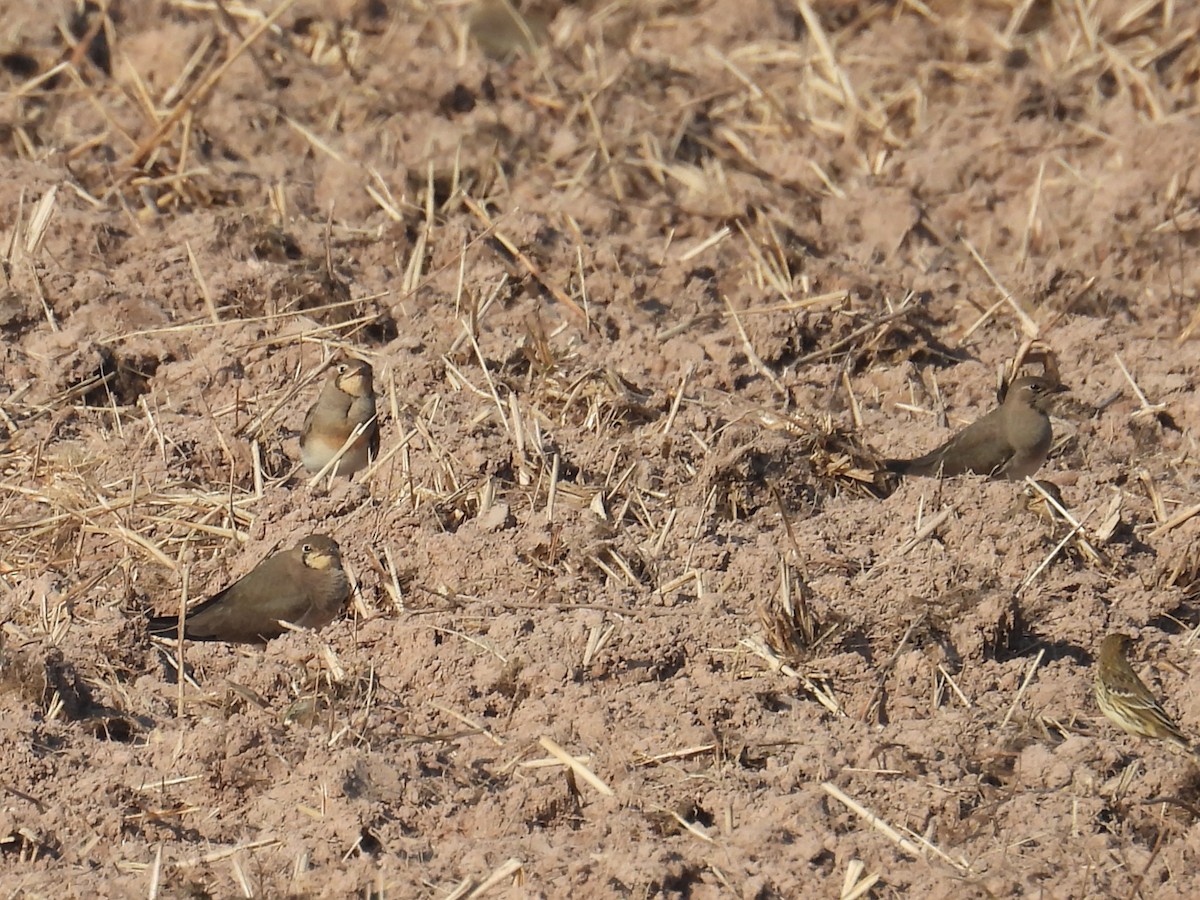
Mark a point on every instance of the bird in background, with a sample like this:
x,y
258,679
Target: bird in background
x,y
1079,544
346,402
501,31
1009,442
1128,703
305,586
1037,504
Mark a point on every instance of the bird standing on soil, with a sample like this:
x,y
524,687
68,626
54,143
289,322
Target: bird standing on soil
x,y
346,402
1009,442
1036,503
502,31
305,586
1128,703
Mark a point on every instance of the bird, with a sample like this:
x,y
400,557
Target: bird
x,y
1128,703
305,586
1035,502
1009,442
501,31
346,402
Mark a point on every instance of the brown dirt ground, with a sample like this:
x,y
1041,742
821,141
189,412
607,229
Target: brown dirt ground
x,y
758,240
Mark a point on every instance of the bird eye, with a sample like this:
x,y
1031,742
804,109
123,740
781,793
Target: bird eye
x,y
307,548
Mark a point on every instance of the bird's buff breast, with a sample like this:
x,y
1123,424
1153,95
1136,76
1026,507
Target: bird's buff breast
x,y
320,448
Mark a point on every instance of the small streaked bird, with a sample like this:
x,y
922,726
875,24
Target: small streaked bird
x,y
1009,442
1128,703
1037,504
346,402
305,586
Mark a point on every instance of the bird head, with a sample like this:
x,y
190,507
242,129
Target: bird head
x,y
320,552
1114,646
354,377
1033,391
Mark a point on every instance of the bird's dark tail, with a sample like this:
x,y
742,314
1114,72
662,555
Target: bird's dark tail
x,y
163,626
932,464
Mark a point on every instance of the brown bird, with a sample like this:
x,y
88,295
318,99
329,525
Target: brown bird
x,y
1034,502
1126,700
1009,442
346,402
501,31
305,586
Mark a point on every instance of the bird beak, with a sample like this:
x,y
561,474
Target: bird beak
x,y
1060,388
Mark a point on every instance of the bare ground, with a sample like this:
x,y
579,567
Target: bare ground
x,y
646,305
